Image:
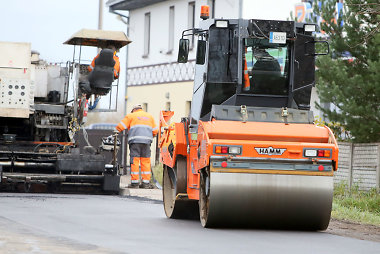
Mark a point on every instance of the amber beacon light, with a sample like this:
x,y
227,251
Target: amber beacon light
x,y
205,12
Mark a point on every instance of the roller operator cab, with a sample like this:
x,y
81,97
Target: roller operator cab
x,y
249,153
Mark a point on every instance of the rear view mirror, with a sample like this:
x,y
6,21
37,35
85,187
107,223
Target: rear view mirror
x,y
201,52
183,51
317,48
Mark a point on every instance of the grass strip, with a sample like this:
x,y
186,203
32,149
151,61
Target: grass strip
x,y
157,172
356,205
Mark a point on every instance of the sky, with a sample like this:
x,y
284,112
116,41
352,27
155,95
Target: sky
x,y
268,9
48,23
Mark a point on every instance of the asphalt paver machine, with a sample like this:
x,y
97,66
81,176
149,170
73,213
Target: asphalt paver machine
x,y
42,108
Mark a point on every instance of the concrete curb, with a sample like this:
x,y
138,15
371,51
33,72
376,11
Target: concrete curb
x,y
154,194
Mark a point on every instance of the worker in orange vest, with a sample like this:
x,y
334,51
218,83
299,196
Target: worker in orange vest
x,y
116,69
141,130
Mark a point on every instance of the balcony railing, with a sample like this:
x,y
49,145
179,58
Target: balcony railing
x,y
161,73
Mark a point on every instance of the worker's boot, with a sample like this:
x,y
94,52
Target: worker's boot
x,y
146,186
133,185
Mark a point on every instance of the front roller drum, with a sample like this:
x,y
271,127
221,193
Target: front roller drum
x,y
265,200
176,203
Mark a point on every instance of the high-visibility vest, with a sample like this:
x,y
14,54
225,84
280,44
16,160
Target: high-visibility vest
x,y
140,125
247,83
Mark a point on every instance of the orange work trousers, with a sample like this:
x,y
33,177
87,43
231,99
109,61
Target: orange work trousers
x,y
140,155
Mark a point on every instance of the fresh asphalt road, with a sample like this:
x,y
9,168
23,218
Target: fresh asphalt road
x,y
57,223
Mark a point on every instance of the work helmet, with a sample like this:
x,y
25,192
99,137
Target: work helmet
x,y
137,106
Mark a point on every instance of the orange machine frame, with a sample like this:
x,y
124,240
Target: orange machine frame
x,y
198,147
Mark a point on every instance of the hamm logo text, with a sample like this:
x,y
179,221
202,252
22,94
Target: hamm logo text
x,y
270,150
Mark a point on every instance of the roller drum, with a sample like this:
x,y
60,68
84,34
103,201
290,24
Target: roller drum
x,y
174,184
268,201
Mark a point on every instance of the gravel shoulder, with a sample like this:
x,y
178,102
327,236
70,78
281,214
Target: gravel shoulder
x,y
354,230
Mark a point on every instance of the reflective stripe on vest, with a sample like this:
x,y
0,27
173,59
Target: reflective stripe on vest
x,y
140,133
123,124
139,137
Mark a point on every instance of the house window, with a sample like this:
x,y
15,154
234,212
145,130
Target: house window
x,y
145,107
187,108
211,3
146,34
171,29
191,21
167,106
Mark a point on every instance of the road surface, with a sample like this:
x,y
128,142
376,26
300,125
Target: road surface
x,y
58,223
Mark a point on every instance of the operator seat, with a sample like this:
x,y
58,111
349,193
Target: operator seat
x,y
102,75
266,76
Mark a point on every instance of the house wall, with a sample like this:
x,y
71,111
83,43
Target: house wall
x,y
157,98
159,38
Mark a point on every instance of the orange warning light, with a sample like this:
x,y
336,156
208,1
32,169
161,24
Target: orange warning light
x,y
205,12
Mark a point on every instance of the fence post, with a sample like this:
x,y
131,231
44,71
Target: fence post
x,y
378,169
124,152
350,166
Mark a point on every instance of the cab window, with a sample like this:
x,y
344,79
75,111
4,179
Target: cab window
x,y
266,67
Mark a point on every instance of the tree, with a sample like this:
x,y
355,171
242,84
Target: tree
x,y
350,77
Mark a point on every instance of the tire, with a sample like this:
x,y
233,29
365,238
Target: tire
x,y
204,200
175,182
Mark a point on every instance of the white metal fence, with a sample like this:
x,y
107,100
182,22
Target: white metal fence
x,y
161,73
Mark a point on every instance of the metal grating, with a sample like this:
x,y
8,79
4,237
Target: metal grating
x,y
161,73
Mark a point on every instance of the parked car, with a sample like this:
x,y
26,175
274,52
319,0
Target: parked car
x,y
101,126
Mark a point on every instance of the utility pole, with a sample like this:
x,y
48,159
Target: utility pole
x,y
100,19
100,16
124,147
125,141
240,9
